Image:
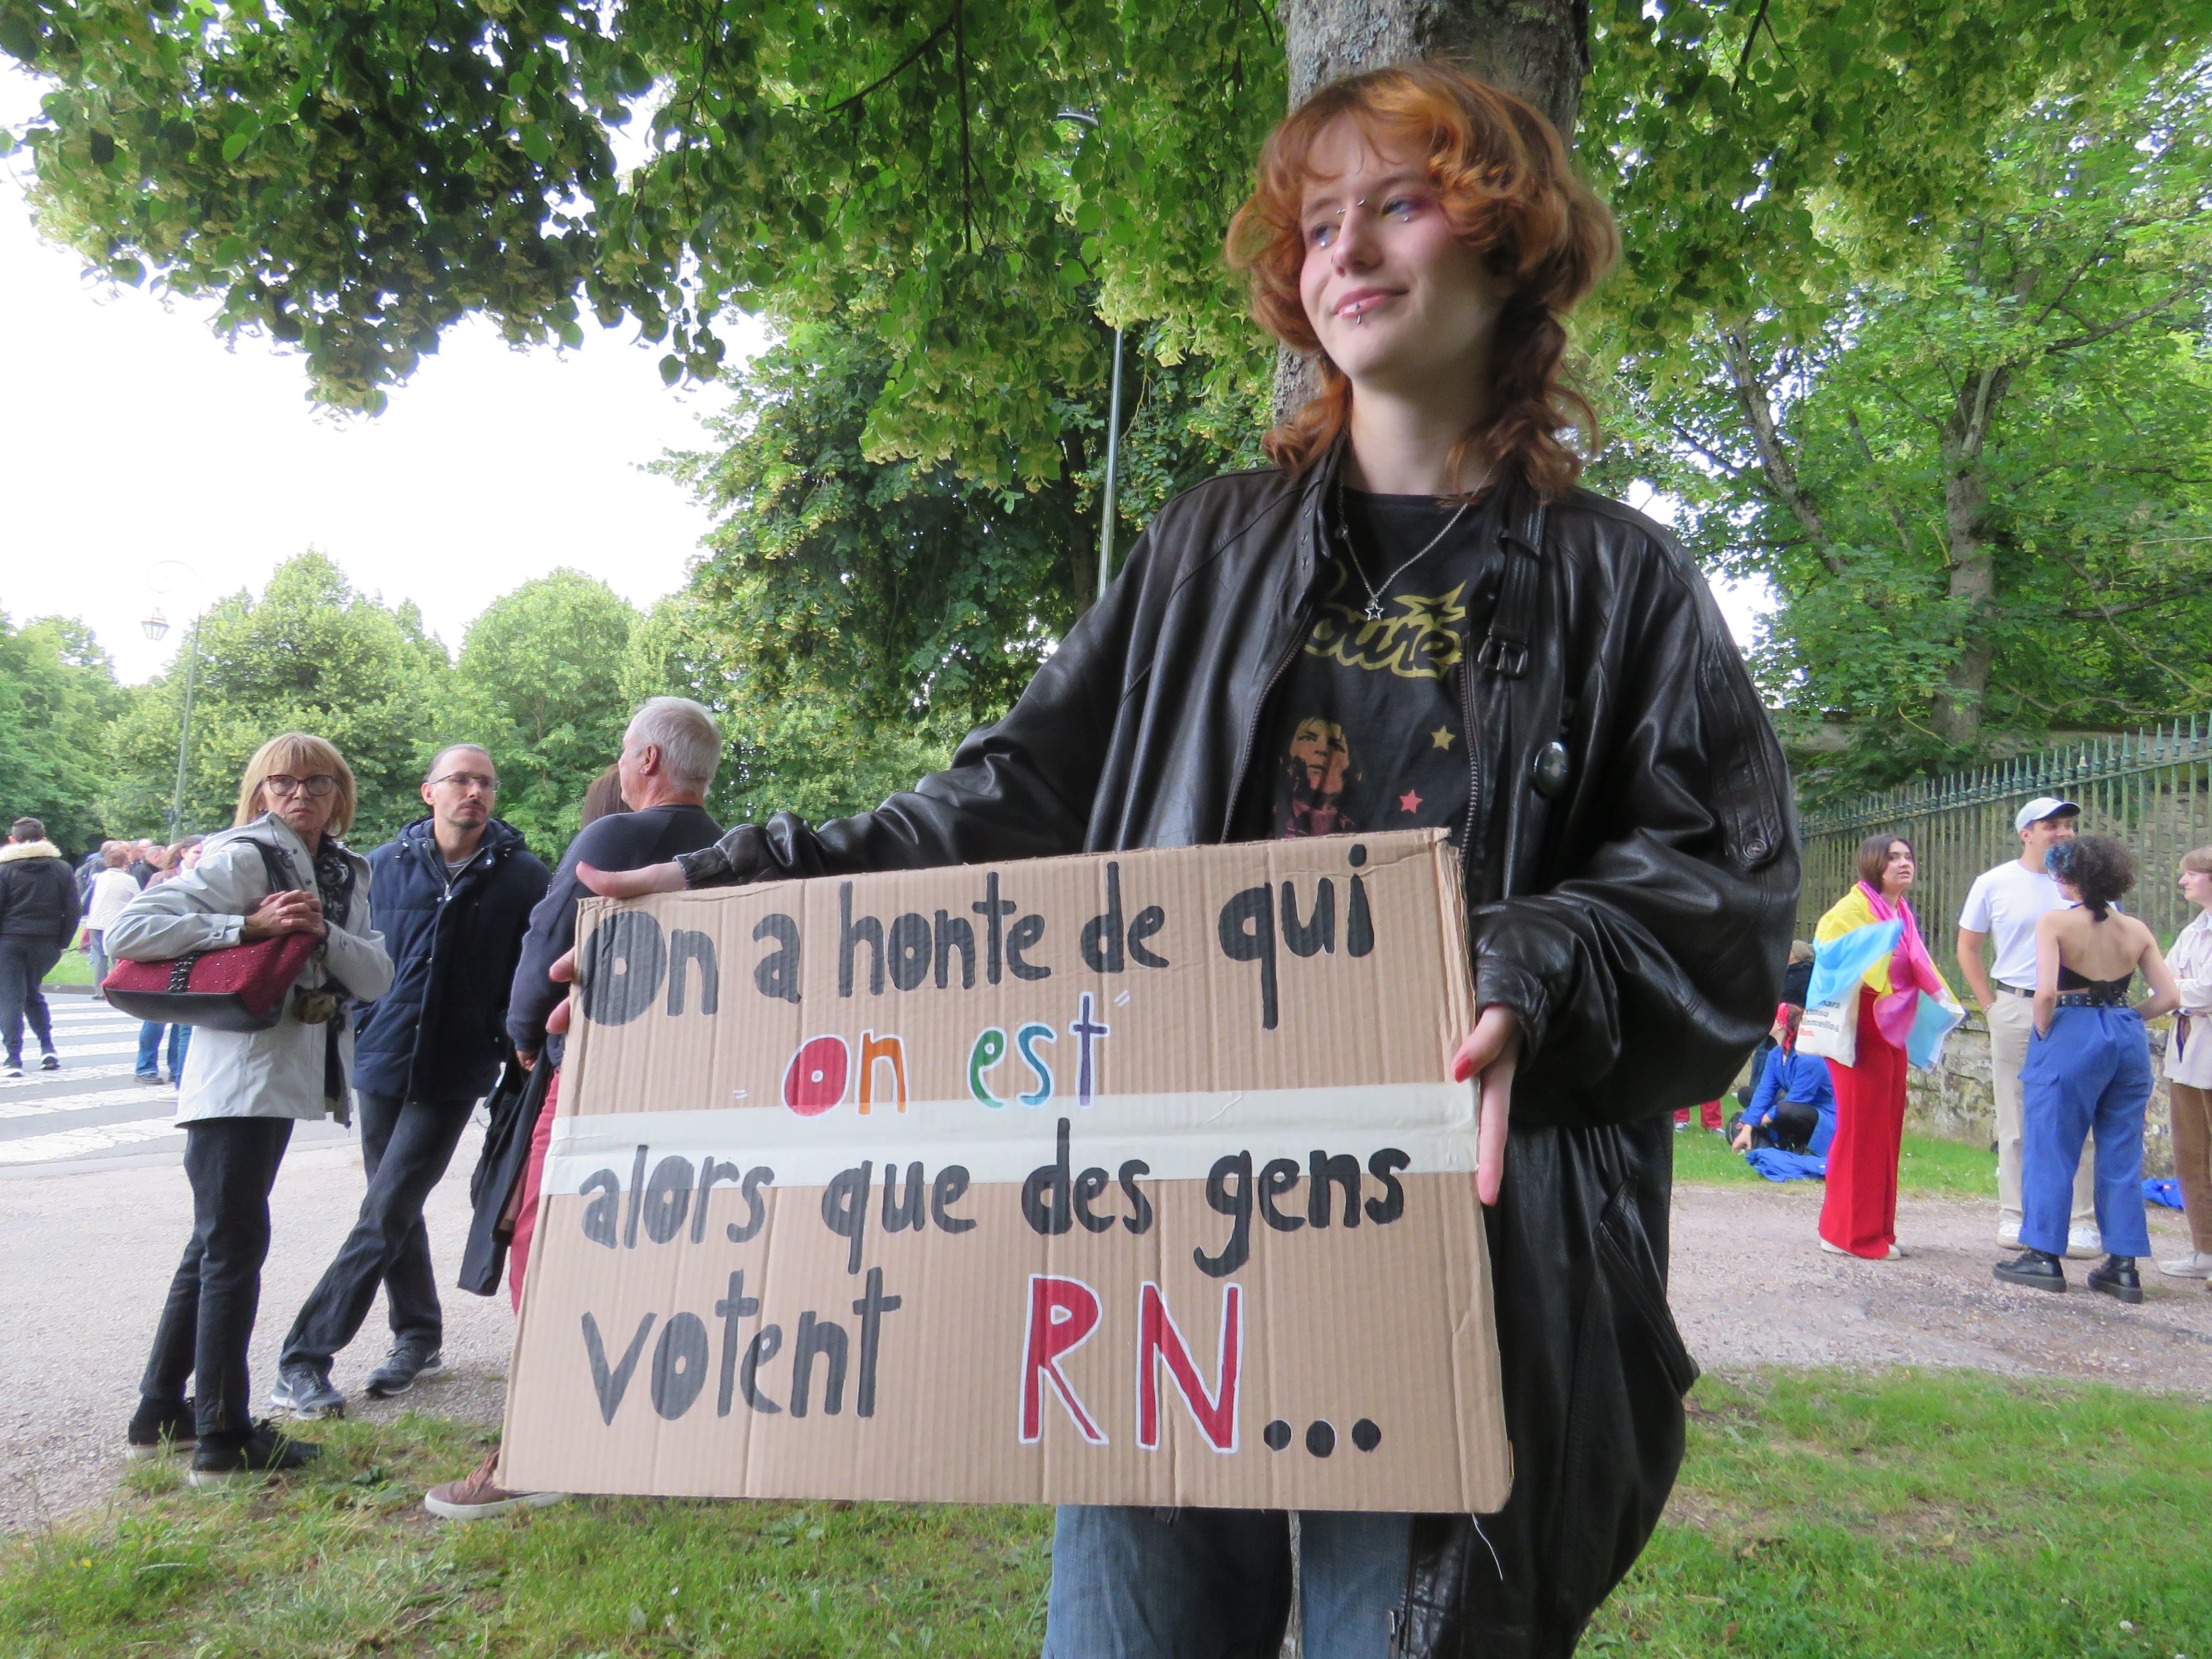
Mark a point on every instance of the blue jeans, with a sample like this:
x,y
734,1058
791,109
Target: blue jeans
x,y
1142,1584
149,1048
2091,1075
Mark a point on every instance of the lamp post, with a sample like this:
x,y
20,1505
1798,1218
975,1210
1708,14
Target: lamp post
x,y
156,627
1085,117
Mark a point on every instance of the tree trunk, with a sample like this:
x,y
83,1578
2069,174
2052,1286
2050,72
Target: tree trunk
x,y
1538,50
1957,708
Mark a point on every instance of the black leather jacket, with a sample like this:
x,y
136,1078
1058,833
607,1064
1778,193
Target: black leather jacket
x,y
1631,899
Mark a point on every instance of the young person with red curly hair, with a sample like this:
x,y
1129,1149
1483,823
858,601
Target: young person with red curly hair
x,y
1414,618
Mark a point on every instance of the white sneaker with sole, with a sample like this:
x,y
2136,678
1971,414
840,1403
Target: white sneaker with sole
x,y
2195,1265
2084,1244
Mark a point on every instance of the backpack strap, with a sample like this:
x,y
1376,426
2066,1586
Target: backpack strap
x,y
1505,649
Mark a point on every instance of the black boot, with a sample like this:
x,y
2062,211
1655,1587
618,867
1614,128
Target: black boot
x,y
2033,1268
2118,1279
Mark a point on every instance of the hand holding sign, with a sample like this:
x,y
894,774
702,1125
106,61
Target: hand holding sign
x,y
1492,1049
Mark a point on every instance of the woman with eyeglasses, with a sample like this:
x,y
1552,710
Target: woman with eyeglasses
x,y
281,870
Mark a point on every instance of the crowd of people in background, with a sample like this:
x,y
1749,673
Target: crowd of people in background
x,y
2050,957
432,989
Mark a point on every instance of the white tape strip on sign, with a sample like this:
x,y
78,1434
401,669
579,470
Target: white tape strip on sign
x,y
1179,1135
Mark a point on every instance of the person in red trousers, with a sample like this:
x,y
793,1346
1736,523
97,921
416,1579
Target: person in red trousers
x,y
1872,935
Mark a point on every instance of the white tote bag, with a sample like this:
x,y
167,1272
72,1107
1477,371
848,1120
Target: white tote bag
x,y
1831,1030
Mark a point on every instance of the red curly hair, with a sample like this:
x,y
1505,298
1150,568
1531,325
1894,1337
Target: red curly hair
x,y
1504,179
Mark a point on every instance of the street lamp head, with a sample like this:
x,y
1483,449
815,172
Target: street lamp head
x,y
155,625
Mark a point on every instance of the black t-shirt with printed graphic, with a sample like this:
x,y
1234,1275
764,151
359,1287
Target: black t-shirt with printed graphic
x,y
1366,729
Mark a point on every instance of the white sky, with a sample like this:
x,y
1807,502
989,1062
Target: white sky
x,y
133,435
134,438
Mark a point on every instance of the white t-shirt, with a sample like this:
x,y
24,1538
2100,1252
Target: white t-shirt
x,y
2005,904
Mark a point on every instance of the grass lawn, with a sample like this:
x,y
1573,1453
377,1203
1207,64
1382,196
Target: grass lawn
x,y
1937,1514
1818,1517
1944,1169
75,968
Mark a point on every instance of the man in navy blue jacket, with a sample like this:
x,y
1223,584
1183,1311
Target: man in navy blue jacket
x,y
451,897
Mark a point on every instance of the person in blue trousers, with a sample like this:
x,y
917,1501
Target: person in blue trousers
x,y
2089,1070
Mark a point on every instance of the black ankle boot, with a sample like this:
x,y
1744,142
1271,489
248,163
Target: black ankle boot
x,y
2118,1279
2033,1268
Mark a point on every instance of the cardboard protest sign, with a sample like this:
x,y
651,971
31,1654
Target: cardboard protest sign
x,y
1127,1179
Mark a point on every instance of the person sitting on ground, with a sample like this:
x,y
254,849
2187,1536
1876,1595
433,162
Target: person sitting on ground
x,y
1794,1109
2087,1070
38,914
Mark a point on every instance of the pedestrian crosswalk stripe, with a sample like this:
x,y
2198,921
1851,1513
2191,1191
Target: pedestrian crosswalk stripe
x,y
37,1080
77,1143
52,1105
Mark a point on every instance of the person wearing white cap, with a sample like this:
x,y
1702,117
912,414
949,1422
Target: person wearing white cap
x,y
2005,904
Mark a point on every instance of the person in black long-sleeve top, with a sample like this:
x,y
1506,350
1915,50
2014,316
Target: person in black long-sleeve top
x,y
669,758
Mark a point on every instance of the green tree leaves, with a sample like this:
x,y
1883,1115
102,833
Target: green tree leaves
x,y
1979,488
540,684
312,653
58,691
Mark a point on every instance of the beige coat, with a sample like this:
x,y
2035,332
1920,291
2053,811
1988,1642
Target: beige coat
x,y
278,1072
2189,1054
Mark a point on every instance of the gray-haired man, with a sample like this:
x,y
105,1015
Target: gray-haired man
x,y
2004,904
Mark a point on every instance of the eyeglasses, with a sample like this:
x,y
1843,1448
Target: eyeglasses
x,y
467,779
283,787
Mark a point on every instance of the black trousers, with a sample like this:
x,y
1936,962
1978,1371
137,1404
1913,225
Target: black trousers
x,y
1790,1129
24,963
208,1321
405,1145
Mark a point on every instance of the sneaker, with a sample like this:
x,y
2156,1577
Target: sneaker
x,y
2118,1279
405,1365
2034,1269
13,1069
2009,1238
50,1061
304,1389
2197,1264
158,1426
1896,1253
1833,1250
151,1079
480,1497
260,1448
2084,1244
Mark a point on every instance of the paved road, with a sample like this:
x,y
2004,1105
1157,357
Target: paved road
x,y
95,1106
93,1213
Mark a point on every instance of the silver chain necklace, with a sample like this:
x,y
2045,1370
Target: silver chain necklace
x,y
1374,593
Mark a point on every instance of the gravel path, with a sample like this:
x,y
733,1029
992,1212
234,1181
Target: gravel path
x,y
1751,1286
86,1251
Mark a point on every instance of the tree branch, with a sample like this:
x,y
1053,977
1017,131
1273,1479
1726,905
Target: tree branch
x,y
2113,327
903,65
1774,463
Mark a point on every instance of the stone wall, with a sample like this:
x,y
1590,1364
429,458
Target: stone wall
x,y
1954,1101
